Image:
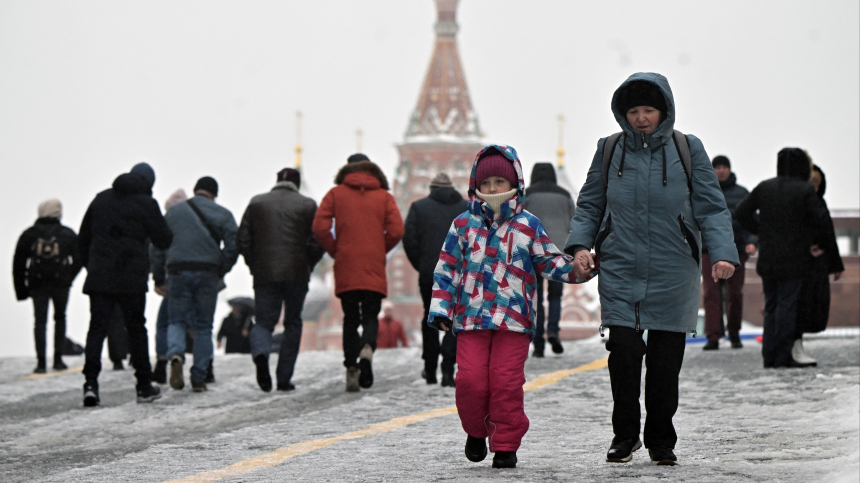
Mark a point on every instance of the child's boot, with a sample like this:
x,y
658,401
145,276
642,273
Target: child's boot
x,y
476,448
505,459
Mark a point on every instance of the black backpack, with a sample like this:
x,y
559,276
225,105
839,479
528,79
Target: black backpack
x,y
46,262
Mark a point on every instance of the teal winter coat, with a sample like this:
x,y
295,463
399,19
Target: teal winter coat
x,y
647,226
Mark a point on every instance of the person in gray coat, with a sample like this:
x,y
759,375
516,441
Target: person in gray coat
x,y
647,226
554,207
196,263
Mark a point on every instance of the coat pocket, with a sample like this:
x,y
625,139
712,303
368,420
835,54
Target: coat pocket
x,y
601,237
689,239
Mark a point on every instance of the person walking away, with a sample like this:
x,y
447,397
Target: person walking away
x,y
43,268
712,291
554,207
236,327
483,289
646,214
190,274
390,329
159,374
427,224
813,306
366,225
112,244
278,245
791,221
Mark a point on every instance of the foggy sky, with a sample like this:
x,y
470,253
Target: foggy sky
x,y
89,88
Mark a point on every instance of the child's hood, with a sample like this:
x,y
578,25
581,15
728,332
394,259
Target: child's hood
x,y
475,203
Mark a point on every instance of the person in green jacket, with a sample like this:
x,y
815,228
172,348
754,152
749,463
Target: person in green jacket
x,y
647,224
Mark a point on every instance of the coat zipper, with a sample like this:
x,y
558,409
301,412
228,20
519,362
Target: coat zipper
x,y
510,240
636,308
644,142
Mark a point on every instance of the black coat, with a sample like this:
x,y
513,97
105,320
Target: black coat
x,y
113,239
813,306
276,239
427,225
46,228
734,194
791,219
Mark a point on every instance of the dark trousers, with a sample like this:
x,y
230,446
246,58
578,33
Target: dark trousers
x,y
554,292
664,355
101,313
268,300
430,340
360,308
712,301
41,298
780,316
117,337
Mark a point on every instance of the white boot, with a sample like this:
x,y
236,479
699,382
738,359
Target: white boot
x,y
798,355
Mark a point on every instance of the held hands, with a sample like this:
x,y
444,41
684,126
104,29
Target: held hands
x,y
583,264
444,324
722,270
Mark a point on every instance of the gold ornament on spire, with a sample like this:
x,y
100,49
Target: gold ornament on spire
x,y
560,151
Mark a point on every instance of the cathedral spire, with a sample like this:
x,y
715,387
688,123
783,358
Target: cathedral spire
x,y
444,110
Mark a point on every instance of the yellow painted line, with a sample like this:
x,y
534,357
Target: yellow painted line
x,y
55,373
282,454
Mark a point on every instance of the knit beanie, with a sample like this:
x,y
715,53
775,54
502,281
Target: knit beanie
x,y
494,163
641,93
441,180
357,157
721,161
207,183
145,171
292,175
51,208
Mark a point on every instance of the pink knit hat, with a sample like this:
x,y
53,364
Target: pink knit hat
x,y
494,163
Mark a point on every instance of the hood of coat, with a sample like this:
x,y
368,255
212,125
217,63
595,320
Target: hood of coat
x,y
793,163
132,184
822,187
543,172
363,174
664,130
446,196
479,207
729,182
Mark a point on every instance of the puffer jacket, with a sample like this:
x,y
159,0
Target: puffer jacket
x,y
275,236
427,226
647,227
791,218
734,194
46,228
112,241
367,224
487,271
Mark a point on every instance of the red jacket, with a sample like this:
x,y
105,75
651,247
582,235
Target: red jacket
x,y
390,331
367,225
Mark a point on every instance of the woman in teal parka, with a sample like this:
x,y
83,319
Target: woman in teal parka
x,y
647,226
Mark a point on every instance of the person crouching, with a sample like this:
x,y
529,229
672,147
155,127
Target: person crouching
x,y
483,289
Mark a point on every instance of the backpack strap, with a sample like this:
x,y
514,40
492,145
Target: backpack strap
x,y
611,141
206,223
682,144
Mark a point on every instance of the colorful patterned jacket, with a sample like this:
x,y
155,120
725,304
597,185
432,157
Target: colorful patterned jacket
x,y
486,274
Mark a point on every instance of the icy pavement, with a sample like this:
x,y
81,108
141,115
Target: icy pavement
x,y
736,422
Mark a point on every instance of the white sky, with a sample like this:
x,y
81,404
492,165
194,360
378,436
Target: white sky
x,y
197,88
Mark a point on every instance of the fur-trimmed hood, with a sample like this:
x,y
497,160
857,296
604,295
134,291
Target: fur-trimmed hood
x,y
362,167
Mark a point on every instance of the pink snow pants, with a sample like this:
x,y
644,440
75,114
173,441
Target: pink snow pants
x,y
489,386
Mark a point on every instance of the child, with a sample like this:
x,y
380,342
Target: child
x,y
483,288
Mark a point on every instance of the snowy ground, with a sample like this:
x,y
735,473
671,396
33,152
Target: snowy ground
x,y
736,422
